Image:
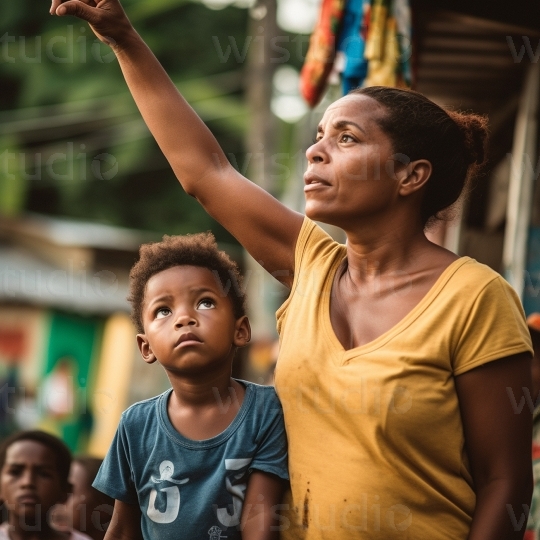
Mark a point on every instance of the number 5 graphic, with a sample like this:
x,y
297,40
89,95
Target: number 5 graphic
x,y
237,491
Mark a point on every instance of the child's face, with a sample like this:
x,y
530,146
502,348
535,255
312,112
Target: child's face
x,y
29,481
189,323
80,504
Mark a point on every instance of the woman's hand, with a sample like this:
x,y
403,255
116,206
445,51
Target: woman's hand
x,y
107,19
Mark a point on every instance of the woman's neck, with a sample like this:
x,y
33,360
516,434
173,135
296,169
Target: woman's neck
x,y
375,249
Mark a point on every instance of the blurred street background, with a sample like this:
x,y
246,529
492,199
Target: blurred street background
x,y
83,184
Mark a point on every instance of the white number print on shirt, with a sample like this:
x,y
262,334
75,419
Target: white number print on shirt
x,y
236,485
166,471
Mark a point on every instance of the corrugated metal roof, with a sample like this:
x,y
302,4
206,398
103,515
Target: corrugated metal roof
x,y
27,279
66,232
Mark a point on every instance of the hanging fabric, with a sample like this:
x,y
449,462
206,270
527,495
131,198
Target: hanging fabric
x,y
321,52
373,47
351,44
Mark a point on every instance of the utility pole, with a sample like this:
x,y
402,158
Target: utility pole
x,y
261,145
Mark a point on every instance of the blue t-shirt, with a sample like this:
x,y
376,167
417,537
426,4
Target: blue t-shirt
x,y
193,489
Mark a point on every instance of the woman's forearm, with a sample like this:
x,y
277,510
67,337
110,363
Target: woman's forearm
x,y
501,510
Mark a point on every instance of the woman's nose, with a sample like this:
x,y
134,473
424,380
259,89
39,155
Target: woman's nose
x,y
316,152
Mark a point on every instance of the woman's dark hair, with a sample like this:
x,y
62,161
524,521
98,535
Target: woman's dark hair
x,y
190,250
453,142
58,448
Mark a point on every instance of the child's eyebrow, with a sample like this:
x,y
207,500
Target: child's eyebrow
x,y
36,465
199,290
161,298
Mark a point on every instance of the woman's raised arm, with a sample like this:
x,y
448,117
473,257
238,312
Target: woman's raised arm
x,y
264,226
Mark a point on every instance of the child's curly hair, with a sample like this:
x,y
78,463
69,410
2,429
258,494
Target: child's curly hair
x,y
190,250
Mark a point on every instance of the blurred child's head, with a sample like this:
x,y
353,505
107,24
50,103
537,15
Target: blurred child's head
x,y
34,469
88,509
187,303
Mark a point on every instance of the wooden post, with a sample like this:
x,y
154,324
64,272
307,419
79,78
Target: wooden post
x,y
261,146
520,191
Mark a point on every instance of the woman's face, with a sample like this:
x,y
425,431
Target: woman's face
x,y
350,174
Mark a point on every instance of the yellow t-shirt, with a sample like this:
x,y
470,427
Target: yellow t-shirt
x,y
376,445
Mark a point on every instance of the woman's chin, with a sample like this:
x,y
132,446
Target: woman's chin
x,y
316,213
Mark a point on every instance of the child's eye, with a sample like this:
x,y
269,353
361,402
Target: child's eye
x,y
206,303
162,312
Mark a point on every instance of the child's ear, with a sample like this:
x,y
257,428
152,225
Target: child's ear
x,y
144,347
242,332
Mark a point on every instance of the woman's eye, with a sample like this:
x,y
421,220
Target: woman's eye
x,y
347,138
206,303
162,312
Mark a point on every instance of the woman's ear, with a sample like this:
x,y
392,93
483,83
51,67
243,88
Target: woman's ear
x,y
242,332
413,177
146,350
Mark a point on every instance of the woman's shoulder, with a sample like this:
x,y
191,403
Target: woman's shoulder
x,y
470,274
315,248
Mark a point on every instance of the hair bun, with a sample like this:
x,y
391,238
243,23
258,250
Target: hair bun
x,y
475,133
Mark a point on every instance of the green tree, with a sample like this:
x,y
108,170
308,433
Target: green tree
x,y
71,140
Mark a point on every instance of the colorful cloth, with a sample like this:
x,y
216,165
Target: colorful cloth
x,y
373,47
351,43
321,52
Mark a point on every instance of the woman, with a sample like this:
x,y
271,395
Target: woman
x,y
399,361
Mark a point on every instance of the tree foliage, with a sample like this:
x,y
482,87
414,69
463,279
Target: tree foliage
x,y
71,140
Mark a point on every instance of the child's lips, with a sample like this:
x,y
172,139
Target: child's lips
x,y
28,499
187,339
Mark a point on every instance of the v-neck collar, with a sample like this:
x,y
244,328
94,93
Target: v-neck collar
x,y
416,311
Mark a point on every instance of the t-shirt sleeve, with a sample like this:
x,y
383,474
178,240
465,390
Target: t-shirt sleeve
x,y
494,328
271,456
312,246
114,477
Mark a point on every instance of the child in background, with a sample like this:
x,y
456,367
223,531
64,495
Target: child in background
x,y
34,469
89,510
207,458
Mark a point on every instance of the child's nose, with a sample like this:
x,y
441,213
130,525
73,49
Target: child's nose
x,y
28,478
185,318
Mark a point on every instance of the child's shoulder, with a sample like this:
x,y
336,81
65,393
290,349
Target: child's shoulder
x,y
259,389
143,410
262,399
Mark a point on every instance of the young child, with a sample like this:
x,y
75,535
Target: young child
x,y
34,468
207,458
87,509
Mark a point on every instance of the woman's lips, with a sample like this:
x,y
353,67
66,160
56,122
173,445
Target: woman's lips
x,y
313,181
